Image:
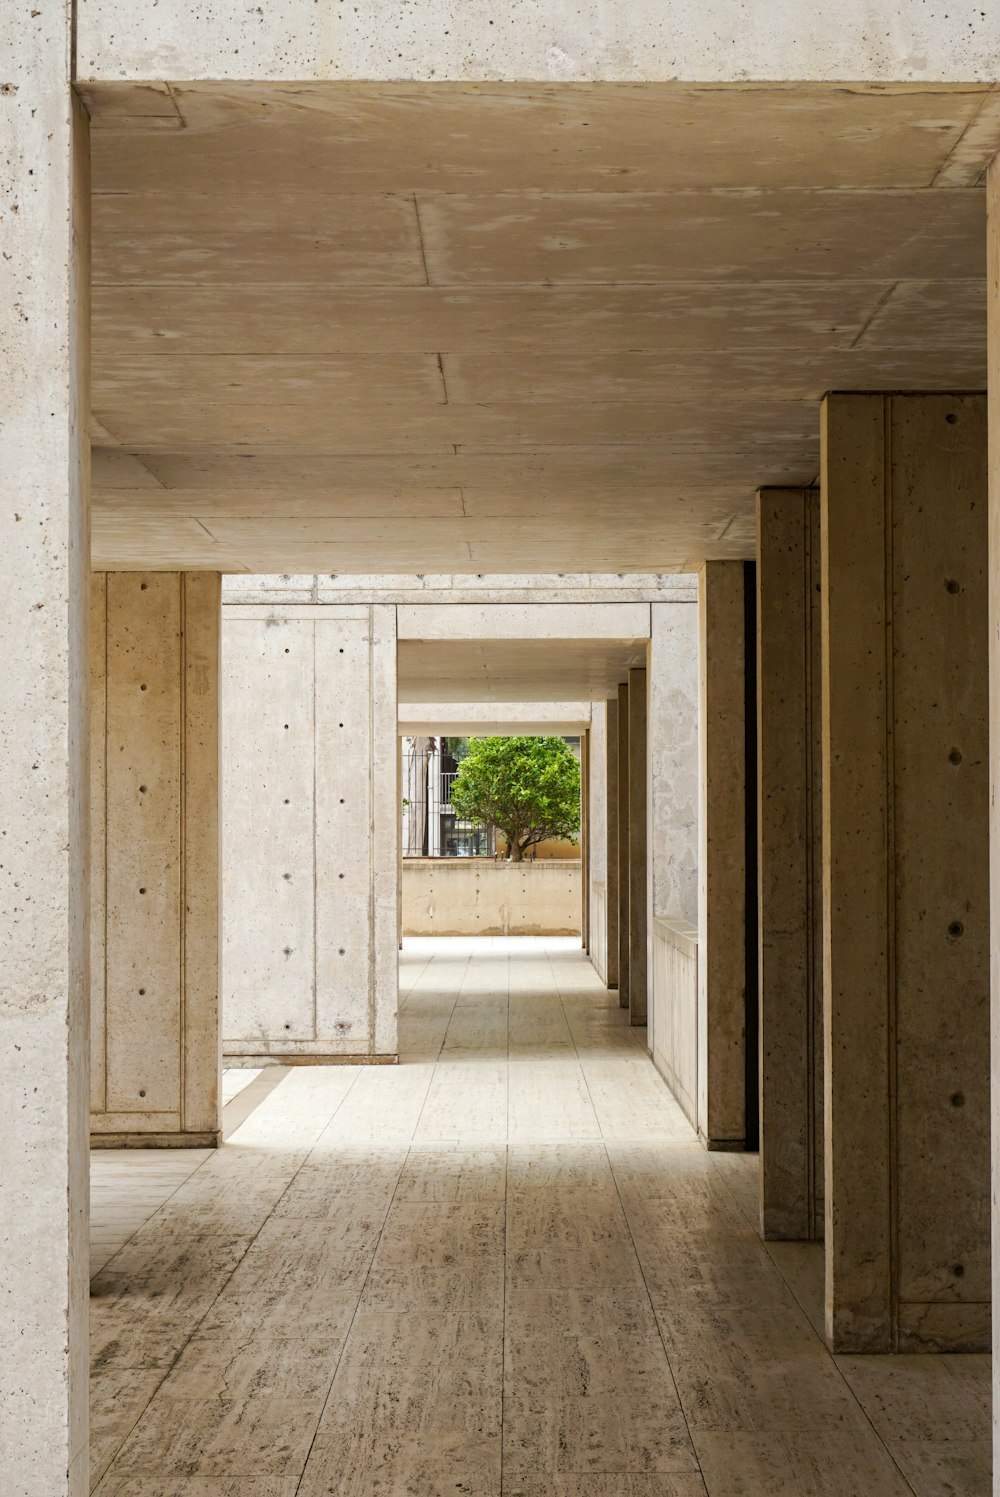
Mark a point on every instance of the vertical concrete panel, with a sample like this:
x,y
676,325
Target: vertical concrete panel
x,y
155,791
637,850
344,812
269,880
790,862
672,840
44,784
993,307
202,1045
905,870
144,738
310,806
673,760
98,835
385,862
585,839
612,813
624,842
856,872
940,804
722,855
596,887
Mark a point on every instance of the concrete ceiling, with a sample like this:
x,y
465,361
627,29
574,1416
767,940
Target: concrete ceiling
x,y
508,328
514,670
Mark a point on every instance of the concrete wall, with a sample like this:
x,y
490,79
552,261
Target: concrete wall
x,y
674,1045
154,1029
469,897
905,871
310,838
722,856
864,40
993,194
672,810
597,821
790,904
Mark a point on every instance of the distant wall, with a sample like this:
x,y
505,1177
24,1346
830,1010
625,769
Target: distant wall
x,y
477,897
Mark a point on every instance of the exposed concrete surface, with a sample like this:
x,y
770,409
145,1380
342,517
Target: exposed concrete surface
x,y
472,897
637,852
596,888
514,670
44,869
880,41
155,823
485,719
906,871
673,965
460,328
672,810
722,912
994,749
790,866
459,587
310,839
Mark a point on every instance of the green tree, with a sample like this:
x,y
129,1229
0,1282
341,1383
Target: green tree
x,y
526,788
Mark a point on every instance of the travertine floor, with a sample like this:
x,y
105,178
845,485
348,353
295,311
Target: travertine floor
x,y
501,1267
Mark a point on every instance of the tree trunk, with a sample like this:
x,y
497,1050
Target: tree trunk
x,y
515,851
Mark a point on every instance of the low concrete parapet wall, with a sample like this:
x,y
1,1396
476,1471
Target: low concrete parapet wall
x,y
674,945
478,897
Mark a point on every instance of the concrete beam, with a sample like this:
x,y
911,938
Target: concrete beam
x,y
905,871
529,621
875,41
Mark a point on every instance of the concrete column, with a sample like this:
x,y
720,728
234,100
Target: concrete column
x,y
905,871
672,835
722,856
612,898
44,871
993,361
596,885
585,840
624,841
155,855
673,760
790,905
638,1001
311,871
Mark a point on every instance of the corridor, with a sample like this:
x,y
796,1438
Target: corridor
x,y
504,1266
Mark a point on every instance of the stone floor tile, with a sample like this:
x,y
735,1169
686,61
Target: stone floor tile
x,y
946,1468
603,1484
258,1435
832,1463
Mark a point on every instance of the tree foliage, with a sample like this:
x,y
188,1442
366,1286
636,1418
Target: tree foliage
x,y
526,788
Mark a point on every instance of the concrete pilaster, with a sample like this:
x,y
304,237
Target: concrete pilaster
x,y
585,840
155,856
638,769
905,866
993,354
311,870
596,884
722,854
44,871
624,842
612,900
790,901
672,834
